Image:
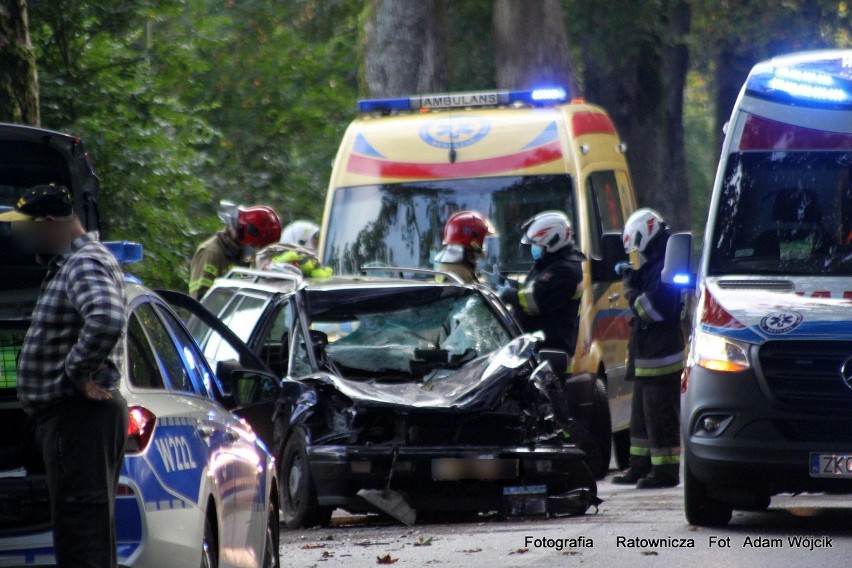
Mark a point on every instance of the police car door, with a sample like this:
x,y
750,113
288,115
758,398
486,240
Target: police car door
x,y
227,450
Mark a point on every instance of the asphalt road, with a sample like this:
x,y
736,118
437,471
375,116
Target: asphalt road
x,y
620,535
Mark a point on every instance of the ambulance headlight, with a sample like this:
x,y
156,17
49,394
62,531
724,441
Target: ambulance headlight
x,y
718,353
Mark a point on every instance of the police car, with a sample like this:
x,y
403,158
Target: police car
x,y
197,487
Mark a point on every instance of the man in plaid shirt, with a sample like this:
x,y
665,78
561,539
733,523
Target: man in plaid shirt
x,y
68,374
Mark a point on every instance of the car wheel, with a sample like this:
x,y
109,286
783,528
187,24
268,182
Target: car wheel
x,y
600,427
299,508
271,557
700,509
209,557
621,444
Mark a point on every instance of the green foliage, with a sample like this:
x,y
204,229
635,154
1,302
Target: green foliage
x,y
101,81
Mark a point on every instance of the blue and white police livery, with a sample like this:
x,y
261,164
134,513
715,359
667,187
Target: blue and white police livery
x,y
197,487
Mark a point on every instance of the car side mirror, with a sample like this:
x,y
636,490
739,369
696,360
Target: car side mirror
x,y
558,360
224,372
254,387
677,267
611,253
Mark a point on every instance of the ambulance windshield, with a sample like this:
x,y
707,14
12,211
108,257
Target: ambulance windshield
x,y
784,213
402,224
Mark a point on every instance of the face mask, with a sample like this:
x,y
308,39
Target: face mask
x,y
536,251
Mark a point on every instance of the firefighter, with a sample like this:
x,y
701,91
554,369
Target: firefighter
x,y
657,352
303,234
550,298
464,244
245,228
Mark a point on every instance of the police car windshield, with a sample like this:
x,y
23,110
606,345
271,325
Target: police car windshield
x,y
402,224
784,213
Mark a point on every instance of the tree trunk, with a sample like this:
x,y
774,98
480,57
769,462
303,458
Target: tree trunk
x,y
531,45
18,82
643,92
404,47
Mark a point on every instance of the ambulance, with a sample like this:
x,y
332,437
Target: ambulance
x,y
406,164
767,394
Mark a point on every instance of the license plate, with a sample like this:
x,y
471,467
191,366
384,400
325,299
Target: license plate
x,y
831,465
456,469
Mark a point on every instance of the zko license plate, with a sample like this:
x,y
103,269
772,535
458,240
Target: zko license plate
x,y
454,469
831,465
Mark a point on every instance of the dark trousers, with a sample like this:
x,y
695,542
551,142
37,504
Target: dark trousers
x,y
83,443
655,422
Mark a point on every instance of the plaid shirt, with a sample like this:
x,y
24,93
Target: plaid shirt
x,y
77,328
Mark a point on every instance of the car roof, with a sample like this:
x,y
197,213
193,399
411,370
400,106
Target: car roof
x,y
334,283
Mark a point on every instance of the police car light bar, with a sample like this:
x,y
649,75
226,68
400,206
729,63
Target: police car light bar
x,y
126,252
537,97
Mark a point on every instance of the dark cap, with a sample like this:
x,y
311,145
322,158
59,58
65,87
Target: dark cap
x,y
41,201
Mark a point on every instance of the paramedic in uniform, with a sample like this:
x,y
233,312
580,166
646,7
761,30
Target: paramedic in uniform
x,y
657,348
550,298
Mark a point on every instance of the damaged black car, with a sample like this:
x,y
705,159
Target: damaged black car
x,y
409,397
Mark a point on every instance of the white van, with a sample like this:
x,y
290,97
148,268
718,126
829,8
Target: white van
x,y
767,403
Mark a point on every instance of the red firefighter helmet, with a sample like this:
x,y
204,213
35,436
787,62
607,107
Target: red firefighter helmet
x,y
468,229
258,226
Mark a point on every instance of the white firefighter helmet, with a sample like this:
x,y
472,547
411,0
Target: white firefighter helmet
x,y
641,228
551,230
300,233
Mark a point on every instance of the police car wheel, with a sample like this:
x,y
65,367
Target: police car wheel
x,y
271,558
208,547
299,507
700,509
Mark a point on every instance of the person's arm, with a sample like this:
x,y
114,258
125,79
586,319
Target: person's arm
x,y
658,302
99,300
202,272
550,288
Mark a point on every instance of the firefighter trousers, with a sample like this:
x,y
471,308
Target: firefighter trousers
x,y
655,423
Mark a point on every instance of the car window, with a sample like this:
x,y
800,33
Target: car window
x,y
241,316
215,302
300,362
606,214
198,370
166,352
143,371
275,347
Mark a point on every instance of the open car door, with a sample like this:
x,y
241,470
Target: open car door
x,y
250,395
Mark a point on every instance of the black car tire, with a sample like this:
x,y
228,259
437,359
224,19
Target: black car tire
x,y
209,557
700,509
600,427
271,555
299,507
621,445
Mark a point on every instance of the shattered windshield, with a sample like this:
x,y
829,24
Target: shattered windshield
x,y
784,213
410,335
402,224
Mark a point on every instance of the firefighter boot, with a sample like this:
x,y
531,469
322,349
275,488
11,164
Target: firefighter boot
x,y
661,476
640,466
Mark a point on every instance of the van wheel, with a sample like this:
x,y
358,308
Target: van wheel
x,y
700,509
299,507
621,445
271,557
209,557
600,427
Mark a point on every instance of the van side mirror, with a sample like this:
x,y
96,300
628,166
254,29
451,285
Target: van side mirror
x,y
611,253
677,268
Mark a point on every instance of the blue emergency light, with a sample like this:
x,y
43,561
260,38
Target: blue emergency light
x,y
822,78
682,279
126,252
473,99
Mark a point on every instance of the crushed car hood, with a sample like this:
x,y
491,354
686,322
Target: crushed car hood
x,y
760,309
478,385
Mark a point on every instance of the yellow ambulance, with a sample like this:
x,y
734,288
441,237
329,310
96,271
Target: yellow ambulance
x,y
406,164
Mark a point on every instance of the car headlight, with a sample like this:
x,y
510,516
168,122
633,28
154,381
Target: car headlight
x,y
718,353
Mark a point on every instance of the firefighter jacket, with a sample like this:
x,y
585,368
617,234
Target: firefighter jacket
x,y
657,338
213,258
550,299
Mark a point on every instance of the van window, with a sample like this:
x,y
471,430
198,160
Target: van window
x,y
784,213
604,206
402,224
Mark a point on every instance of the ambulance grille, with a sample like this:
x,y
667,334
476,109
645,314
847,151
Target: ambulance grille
x,y
807,373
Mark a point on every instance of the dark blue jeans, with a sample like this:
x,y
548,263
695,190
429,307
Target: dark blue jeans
x,y
83,444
